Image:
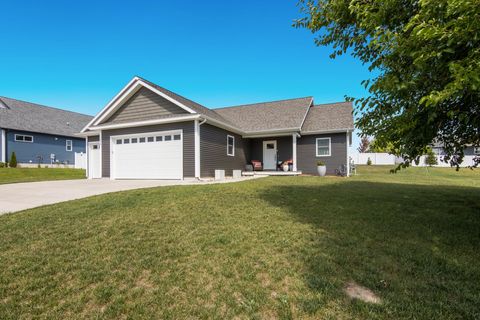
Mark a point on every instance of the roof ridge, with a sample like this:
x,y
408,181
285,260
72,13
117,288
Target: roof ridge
x,y
330,103
41,105
251,104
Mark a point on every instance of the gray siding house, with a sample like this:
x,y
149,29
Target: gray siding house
x,y
39,134
149,132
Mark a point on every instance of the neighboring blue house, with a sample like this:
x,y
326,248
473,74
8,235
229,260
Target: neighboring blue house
x,y
39,134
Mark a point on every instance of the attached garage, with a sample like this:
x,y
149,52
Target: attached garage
x,y
153,155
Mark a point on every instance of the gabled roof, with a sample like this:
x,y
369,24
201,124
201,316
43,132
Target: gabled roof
x,y
329,117
292,115
274,115
27,116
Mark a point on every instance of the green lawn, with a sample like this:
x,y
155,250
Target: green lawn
x,y
14,175
279,247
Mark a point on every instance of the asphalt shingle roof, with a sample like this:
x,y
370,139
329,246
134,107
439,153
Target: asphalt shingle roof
x,y
27,116
275,115
331,116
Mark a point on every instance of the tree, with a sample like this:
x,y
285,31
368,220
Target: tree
x,y
376,147
425,58
13,161
431,158
364,145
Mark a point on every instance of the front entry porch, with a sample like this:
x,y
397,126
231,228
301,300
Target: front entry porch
x,y
269,155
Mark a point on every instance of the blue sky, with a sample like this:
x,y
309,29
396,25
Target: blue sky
x,y
78,54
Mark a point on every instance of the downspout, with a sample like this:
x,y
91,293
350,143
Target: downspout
x,y
197,125
348,157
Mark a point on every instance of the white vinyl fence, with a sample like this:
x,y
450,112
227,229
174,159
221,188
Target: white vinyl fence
x,y
389,159
80,160
376,158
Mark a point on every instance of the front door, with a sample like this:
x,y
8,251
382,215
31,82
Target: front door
x,y
270,155
94,168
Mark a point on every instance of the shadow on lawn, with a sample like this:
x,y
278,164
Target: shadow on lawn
x,y
415,246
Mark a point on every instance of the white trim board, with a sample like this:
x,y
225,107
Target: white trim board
x,y
128,91
197,147
146,122
3,155
329,147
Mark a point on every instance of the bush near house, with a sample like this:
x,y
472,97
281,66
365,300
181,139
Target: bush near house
x,y
13,160
369,162
431,158
3,164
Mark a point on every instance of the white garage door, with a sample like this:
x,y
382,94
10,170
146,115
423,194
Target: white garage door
x,y
155,155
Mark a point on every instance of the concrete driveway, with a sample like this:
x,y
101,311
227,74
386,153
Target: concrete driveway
x,y
20,196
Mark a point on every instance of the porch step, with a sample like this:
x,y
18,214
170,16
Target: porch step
x,y
271,173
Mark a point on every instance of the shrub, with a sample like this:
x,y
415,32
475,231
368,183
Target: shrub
x,y
13,160
3,164
320,163
369,162
431,158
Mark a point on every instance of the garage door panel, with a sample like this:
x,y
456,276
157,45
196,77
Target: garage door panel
x,y
148,160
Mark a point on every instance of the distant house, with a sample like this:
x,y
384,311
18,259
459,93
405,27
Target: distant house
x,y
39,134
149,132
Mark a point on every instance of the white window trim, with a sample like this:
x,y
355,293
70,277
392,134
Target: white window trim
x,y
329,147
233,146
22,135
71,145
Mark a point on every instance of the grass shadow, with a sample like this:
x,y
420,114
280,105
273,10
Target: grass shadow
x,y
416,246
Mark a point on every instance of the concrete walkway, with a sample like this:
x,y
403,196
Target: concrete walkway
x,y
20,196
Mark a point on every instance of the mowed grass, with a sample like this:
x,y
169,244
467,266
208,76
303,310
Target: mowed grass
x,y
279,247
14,175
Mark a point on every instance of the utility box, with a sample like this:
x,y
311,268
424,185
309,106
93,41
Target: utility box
x,y
219,175
237,174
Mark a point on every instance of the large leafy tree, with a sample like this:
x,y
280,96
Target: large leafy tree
x,y
425,58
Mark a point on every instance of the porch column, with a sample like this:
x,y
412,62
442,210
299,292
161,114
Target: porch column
x,y
294,151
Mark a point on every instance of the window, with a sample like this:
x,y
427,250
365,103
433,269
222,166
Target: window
x,y
476,150
126,141
95,147
270,145
159,138
230,145
134,140
142,140
119,141
168,138
323,147
68,145
176,137
150,139
23,138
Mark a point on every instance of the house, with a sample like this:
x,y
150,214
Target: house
x,y
149,132
39,134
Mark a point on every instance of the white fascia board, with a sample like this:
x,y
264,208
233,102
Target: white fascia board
x,y
128,94
130,89
222,125
110,103
306,133
145,123
306,113
271,134
87,134
181,105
